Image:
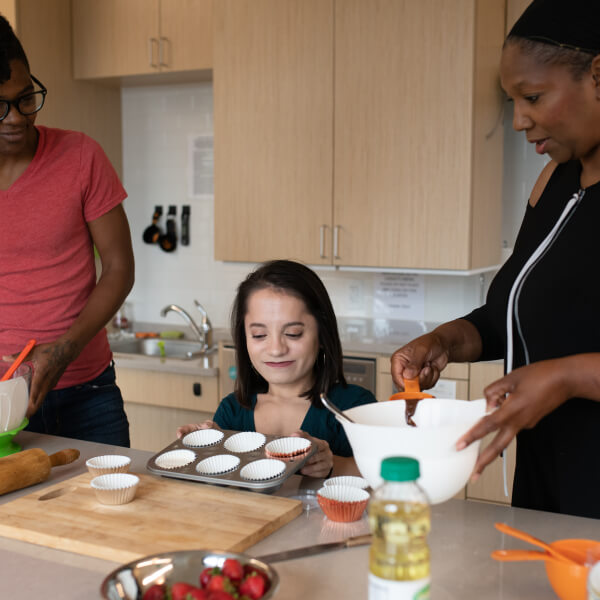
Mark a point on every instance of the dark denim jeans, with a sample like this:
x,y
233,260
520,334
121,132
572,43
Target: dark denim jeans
x,y
92,411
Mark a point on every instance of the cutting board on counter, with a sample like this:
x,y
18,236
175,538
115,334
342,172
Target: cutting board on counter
x,y
165,515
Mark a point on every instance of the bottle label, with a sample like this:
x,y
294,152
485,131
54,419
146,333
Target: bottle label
x,y
386,589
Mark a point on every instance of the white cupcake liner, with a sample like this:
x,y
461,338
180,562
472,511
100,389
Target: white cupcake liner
x,y
287,446
260,470
203,438
218,465
347,480
115,488
108,463
245,441
175,458
343,493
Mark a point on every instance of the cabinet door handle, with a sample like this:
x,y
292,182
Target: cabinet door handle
x,y
322,230
151,43
336,233
162,42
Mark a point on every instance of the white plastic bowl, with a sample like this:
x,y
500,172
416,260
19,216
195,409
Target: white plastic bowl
x,y
14,396
381,431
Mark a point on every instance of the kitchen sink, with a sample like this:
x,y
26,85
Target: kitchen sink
x,y
182,349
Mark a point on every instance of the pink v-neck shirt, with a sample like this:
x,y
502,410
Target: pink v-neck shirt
x,y
47,269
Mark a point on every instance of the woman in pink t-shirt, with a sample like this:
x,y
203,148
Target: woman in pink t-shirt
x,y
59,197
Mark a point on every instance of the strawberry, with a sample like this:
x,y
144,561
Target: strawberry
x,y
180,590
197,594
252,570
155,592
206,575
216,583
233,569
253,586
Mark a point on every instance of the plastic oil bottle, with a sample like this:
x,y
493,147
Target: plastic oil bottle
x,y
400,520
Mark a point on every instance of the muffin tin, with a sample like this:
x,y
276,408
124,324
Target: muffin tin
x,y
238,459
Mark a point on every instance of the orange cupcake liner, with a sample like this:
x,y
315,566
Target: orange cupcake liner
x,y
342,512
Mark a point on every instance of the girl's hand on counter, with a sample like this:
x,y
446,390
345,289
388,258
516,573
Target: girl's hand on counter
x,y
185,429
521,399
320,463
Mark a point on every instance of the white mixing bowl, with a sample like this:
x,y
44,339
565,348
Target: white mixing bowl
x,y
14,396
381,431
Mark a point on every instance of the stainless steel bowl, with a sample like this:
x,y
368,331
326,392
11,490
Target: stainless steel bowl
x,y
130,581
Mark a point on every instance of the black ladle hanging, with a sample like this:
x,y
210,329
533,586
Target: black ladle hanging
x,y
152,233
168,241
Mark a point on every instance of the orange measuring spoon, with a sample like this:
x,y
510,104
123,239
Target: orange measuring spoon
x,y
412,391
526,537
18,360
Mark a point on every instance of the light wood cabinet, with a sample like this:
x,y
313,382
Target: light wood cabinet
x,y
273,141
117,38
490,485
157,402
514,9
358,132
44,29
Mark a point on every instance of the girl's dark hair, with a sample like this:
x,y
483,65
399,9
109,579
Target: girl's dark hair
x,y
10,49
579,62
297,280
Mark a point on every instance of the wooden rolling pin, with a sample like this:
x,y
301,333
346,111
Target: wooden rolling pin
x,y
29,467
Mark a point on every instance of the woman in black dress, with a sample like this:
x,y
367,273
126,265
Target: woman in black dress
x,y
542,312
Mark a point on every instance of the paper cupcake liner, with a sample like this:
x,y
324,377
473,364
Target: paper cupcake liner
x,y
347,480
343,503
260,470
218,465
245,441
286,447
175,458
108,463
203,438
115,488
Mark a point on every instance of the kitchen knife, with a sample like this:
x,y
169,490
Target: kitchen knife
x,y
359,540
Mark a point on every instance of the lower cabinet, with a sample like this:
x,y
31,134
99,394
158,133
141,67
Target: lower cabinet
x,y
490,485
157,402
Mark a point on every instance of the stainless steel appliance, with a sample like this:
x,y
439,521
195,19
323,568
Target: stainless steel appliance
x,y
361,371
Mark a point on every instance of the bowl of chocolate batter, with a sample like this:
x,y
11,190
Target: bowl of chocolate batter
x,y
382,429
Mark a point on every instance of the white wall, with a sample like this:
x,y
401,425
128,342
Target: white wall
x,y
158,122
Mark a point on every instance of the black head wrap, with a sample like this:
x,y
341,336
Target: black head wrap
x,y
573,24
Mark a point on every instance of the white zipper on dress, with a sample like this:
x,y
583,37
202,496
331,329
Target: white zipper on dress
x,y
513,309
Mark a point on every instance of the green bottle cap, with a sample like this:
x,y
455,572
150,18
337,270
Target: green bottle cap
x,y
400,468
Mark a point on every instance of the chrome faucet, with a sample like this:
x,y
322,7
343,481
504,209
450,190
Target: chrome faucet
x,y
202,332
205,325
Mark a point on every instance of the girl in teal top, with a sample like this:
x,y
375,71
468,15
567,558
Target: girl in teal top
x,y
288,352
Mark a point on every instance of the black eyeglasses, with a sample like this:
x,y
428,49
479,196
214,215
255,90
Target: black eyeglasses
x,y
28,104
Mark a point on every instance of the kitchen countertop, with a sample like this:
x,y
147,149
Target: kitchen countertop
x,y
462,537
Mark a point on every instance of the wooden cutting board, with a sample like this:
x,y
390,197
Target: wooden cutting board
x,y
165,515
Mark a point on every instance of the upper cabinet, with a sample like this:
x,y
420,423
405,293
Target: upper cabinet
x,y
273,138
117,38
358,132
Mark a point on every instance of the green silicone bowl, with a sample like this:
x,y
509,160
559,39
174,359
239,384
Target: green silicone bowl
x,y
7,446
